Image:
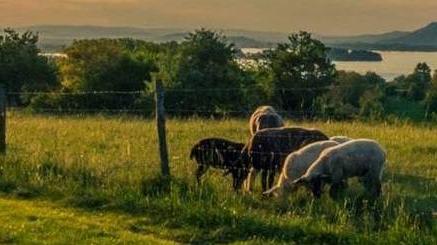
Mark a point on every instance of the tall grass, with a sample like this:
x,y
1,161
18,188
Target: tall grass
x,y
111,163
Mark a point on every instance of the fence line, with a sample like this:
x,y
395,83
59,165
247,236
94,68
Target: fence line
x,y
71,110
187,90
77,93
138,111
160,111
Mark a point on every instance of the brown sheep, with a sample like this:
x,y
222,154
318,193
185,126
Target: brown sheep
x,y
268,148
265,117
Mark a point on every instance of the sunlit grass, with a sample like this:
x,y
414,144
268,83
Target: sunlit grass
x,y
111,164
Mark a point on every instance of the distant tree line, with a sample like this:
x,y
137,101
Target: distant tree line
x,y
203,76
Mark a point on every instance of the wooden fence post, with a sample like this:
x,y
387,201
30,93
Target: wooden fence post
x,y
2,120
160,122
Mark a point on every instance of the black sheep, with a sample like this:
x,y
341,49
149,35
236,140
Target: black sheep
x,y
220,154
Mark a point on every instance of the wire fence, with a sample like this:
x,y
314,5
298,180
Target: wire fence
x,y
155,103
179,101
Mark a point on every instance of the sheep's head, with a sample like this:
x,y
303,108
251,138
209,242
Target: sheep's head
x,y
239,175
313,182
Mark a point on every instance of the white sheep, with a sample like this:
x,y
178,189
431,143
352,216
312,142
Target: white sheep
x,y
361,158
340,139
296,164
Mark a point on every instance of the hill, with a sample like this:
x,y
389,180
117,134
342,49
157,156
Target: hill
x,y
54,38
369,38
426,36
423,39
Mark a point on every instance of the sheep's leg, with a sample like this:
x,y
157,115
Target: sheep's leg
x,y
201,170
271,179
264,176
377,189
373,187
372,183
250,180
336,188
234,182
316,188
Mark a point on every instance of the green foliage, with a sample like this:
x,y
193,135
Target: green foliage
x,y
403,108
22,68
105,64
203,76
120,65
371,106
431,97
352,95
416,84
301,63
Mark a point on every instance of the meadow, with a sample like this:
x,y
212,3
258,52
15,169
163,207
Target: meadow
x,y
105,170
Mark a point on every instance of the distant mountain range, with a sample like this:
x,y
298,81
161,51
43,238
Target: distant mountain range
x,y
423,39
55,37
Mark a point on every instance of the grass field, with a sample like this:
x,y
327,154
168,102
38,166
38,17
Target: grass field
x,y
102,171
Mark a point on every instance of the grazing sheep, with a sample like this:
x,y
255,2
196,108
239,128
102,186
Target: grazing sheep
x,y
265,117
361,158
268,148
221,154
296,164
340,139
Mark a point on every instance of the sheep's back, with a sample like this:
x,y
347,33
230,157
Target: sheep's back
x,y
216,152
357,156
280,142
297,163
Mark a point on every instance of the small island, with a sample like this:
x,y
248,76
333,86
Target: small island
x,y
338,54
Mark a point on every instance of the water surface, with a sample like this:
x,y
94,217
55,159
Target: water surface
x,y
394,63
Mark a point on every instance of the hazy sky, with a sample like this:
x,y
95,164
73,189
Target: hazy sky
x,y
319,16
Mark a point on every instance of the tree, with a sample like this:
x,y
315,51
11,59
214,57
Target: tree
x,y
208,78
354,93
105,64
301,71
350,86
101,65
419,82
22,68
431,97
371,104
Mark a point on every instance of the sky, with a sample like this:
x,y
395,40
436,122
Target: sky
x,y
327,17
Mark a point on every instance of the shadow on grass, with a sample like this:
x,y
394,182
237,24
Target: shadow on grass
x,y
203,215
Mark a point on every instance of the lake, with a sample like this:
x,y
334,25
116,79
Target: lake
x,y
394,63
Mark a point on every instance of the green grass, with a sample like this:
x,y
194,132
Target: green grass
x,y
110,165
40,222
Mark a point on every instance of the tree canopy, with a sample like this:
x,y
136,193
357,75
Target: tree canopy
x,y
207,73
301,71
21,66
